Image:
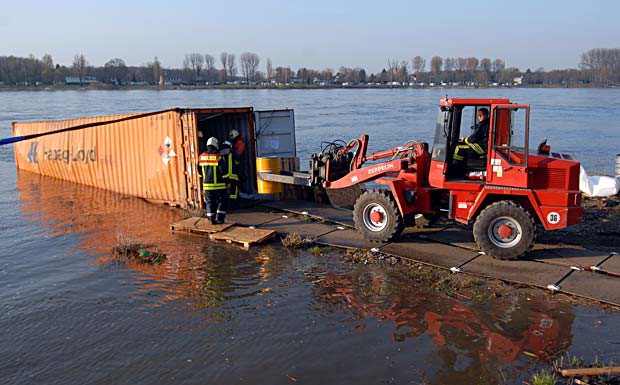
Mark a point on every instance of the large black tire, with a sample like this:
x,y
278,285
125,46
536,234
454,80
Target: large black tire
x,y
504,230
378,204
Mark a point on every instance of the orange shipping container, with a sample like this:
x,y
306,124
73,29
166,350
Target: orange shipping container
x,y
152,157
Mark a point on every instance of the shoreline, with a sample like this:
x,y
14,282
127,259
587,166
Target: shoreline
x,y
106,87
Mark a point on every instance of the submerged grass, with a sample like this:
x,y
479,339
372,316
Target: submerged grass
x,y
128,249
296,241
544,377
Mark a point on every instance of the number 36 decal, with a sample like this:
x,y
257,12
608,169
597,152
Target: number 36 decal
x,y
553,218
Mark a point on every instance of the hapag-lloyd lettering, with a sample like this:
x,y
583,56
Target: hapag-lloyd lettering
x,y
71,155
383,167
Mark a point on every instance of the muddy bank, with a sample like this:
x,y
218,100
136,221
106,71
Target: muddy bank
x,y
599,228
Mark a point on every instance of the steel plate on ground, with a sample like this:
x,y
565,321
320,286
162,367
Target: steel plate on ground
x,y
436,254
612,264
347,238
594,286
316,210
252,217
455,236
299,226
566,255
520,271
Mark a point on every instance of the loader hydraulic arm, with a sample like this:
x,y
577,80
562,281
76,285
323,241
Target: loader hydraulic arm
x,y
401,158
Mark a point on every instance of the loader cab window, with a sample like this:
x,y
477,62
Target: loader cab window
x,y
443,132
510,134
468,121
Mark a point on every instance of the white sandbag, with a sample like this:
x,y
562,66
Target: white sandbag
x,y
598,186
604,186
584,182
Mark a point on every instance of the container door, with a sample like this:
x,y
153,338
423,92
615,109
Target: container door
x,y
275,134
190,149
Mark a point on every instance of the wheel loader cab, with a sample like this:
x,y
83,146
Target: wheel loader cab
x,y
456,120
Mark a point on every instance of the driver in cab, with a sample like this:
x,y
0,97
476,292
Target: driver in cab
x,y
476,144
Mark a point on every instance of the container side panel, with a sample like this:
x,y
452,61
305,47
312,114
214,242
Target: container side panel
x,y
275,134
135,157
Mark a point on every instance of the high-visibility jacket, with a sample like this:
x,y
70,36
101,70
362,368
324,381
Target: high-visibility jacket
x,y
214,170
232,163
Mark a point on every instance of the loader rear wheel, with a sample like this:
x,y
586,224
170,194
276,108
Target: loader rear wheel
x,y
504,230
377,216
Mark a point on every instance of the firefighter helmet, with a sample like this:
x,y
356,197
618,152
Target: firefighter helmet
x,y
212,142
233,134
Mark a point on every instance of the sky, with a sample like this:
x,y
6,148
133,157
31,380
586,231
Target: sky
x,y
316,34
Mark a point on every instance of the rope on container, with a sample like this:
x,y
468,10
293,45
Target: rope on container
x,y
16,139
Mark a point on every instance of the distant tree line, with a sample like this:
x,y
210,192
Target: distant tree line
x,y
599,66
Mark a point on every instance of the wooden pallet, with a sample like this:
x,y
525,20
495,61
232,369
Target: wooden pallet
x,y
243,236
199,225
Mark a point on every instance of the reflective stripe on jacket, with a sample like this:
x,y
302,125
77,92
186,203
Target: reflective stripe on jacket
x,y
214,171
232,171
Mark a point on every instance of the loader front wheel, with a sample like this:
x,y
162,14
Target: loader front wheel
x,y
377,216
504,230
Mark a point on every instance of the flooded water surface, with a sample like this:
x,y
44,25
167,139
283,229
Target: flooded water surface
x,y
215,314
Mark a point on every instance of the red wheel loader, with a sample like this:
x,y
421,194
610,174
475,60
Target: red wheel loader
x,y
505,192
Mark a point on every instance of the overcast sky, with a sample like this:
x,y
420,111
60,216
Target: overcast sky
x,y
313,33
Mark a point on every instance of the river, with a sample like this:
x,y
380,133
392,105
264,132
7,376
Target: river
x,y
214,314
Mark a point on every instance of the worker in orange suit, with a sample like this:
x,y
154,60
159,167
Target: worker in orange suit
x,y
238,152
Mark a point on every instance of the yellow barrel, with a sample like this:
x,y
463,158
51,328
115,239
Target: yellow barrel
x,y
271,165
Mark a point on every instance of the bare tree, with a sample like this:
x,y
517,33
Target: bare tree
x,y
157,72
472,64
48,68
449,64
418,64
195,62
602,64
232,66
79,65
115,71
403,71
209,66
269,69
393,66
283,74
436,64
249,65
327,75
486,65
498,65
224,61
461,64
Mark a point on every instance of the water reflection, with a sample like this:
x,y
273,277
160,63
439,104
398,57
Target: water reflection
x,y
472,341
451,340
200,274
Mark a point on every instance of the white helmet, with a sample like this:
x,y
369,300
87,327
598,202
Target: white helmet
x,y
213,142
227,143
233,134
